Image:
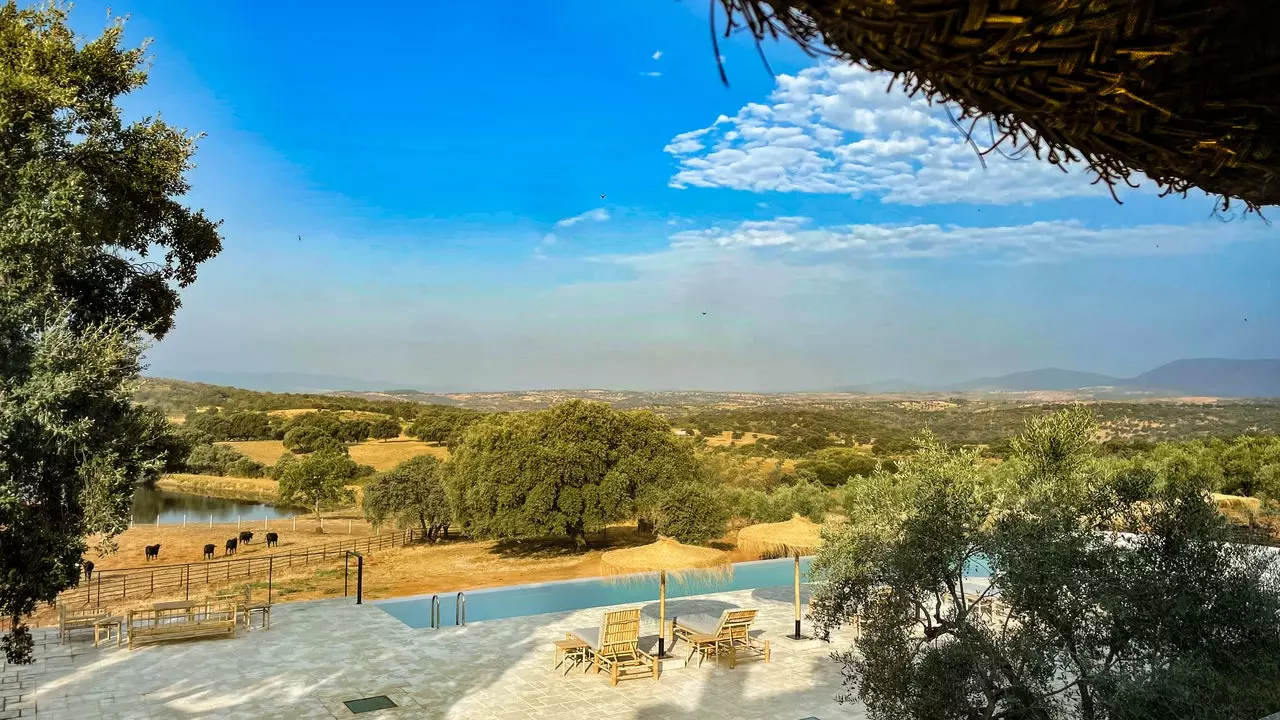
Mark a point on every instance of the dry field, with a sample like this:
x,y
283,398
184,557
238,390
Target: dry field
x,y
266,452
262,489
726,437
380,455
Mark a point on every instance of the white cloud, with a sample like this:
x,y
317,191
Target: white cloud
x,y
652,73
1038,241
834,129
657,55
596,215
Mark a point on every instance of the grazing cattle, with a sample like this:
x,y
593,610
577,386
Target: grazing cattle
x,y
88,570
231,547
153,551
272,539
246,536
208,551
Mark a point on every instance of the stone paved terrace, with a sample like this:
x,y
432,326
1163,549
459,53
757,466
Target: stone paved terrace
x,y
318,654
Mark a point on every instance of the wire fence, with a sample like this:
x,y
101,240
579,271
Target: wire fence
x,y
124,583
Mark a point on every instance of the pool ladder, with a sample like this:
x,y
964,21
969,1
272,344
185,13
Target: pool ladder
x,y
459,611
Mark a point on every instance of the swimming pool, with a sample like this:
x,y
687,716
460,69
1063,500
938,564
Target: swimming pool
x,y
520,600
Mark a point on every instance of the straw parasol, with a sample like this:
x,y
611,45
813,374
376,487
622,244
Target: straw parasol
x,y
665,557
797,536
1182,91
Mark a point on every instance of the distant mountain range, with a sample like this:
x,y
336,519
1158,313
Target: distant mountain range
x,y
1212,377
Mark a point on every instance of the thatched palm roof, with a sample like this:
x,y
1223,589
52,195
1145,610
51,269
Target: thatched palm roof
x,y
666,555
1184,91
795,536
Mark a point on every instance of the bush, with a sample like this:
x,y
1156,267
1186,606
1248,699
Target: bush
x,y
304,439
691,514
807,499
221,460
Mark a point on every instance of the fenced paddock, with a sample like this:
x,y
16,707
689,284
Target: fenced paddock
x,y
118,584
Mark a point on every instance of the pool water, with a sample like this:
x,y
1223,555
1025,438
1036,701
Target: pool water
x,y
521,600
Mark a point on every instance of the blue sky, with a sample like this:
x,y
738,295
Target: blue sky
x,y
445,173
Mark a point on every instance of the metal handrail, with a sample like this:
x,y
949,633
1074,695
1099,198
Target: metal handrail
x,y
460,610
435,612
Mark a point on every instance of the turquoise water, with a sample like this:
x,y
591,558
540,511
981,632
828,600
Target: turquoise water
x,y
522,600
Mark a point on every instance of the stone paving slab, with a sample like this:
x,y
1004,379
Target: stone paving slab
x,y
318,654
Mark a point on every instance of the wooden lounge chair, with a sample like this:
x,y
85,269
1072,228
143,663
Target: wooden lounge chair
x,y
615,646
731,633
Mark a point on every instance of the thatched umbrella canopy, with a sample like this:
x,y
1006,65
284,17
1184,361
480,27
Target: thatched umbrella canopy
x,y
665,557
797,536
1181,90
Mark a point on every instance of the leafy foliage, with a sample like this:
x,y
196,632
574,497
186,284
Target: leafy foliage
x,y
834,465
319,479
384,429
222,460
217,426
1168,621
305,438
411,493
564,471
691,513
93,248
441,423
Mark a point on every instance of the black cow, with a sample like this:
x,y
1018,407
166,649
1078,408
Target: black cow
x,y
246,536
88,570
272,539
153,551
231,547
208,551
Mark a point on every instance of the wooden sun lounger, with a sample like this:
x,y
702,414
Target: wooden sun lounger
x,y
615,646
708,635
153,626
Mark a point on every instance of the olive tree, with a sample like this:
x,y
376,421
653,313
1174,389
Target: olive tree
x,y
1119,597
411,493
564,471
318,479
94,245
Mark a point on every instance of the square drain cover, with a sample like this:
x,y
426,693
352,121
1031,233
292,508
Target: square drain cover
x,y
369,704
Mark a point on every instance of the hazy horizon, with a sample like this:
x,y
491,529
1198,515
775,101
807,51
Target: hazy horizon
x,y
433,215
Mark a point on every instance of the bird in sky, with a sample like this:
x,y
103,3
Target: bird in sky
x,y
601,196
299,238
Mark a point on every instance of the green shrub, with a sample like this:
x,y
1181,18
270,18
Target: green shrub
x,y
691,514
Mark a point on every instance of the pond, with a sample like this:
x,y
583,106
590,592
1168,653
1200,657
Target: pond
x,y
170,507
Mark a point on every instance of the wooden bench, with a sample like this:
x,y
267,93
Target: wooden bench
x,y
211,620
77,619
258,608
107,625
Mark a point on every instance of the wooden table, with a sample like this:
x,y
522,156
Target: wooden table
x,y
260,608
177,607
573,651
106,624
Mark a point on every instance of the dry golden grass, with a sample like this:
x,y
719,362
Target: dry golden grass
x,y
266,452
726,437
380,455
386,455
227,487
348,414
1238,509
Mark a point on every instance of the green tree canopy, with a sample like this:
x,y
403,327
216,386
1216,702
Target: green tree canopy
x,y
564,471
352,431
411,493
1166,621
94,246
385,429
834,465
691,513
305,438
319,479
